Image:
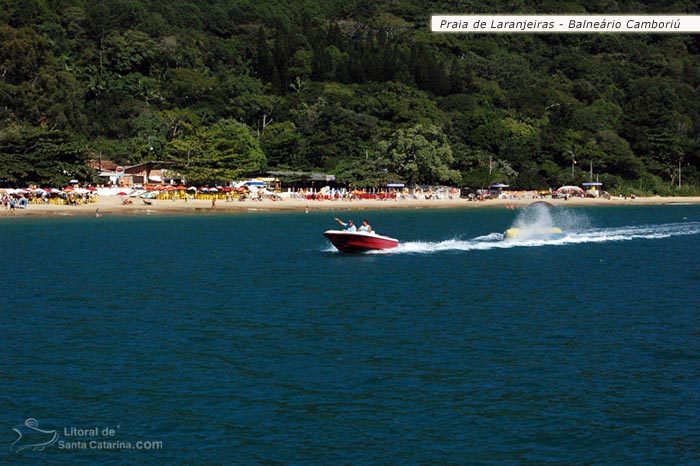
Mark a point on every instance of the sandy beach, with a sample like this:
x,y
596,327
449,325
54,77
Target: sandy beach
x,y
112,205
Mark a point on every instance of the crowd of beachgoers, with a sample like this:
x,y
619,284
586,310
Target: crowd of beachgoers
x,y
179,199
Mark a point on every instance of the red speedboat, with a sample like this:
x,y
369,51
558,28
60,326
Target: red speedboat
x,y
358,241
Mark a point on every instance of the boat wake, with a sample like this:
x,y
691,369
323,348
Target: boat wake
x,y
590,235
530,224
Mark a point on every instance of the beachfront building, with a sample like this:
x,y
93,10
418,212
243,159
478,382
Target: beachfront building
x,y
151,172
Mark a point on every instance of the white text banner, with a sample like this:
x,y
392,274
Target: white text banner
x,y
645,24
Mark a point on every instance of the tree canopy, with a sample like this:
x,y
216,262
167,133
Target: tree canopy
x,y
226,89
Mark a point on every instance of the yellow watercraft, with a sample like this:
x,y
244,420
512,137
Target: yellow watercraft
x,y
538,233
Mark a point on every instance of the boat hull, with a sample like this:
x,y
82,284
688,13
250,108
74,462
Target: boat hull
x,y
346,241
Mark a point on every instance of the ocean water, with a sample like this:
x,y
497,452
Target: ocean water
x,y
247,339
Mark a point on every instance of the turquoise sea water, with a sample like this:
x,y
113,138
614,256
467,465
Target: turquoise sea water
x,y
247,339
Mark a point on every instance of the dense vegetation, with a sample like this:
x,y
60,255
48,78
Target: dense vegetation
x,y
228,88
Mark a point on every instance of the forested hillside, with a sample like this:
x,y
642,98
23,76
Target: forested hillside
x,y
359,88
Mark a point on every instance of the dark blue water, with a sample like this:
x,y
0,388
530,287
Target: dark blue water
x,y
246,339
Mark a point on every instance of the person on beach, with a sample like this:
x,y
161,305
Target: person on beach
x,y
365,226
350,226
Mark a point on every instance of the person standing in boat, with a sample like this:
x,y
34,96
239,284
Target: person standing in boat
x,y
366,227
350,226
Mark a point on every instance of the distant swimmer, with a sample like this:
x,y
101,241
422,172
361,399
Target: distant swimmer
x,y
98,214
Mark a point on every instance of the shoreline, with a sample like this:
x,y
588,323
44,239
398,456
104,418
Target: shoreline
x,y
112,205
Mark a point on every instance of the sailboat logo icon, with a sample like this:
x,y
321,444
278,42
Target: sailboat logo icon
x,y
29,436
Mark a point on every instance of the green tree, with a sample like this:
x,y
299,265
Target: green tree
x,y
397,104
332,133
281,144
420,154
224,151
132,51
366,172
189,86
612,153
22,53
42,157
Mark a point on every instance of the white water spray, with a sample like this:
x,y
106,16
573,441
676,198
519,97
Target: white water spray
x,y
580,236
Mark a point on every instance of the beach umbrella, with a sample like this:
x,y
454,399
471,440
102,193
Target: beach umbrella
x,y
192,188
121,193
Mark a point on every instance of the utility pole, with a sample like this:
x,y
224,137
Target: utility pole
x,y
573,161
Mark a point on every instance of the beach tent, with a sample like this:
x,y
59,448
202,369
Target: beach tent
x,y
570,189
565,191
